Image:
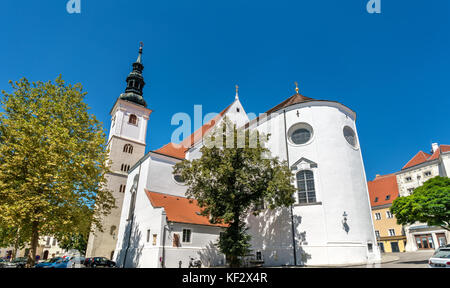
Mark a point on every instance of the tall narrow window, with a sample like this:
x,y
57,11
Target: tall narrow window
x,y
148,236
187,235
306,187
133,119
128,148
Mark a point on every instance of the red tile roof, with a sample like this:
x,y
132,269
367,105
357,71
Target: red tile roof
x,y
179,209
420,158
179,150
423,157
173,150
382,187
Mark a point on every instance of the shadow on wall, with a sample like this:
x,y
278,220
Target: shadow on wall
x,y
273,228
129,255
211,256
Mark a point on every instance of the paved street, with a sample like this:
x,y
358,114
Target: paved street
x,y
403,260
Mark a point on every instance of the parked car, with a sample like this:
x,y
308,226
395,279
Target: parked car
x,y
102,262
16,263
76,262
440,259
88,262
47,263
61,263
2,263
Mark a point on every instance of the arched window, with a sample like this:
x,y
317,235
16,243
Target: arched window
x,y
125,168
306,187
128,148
133,119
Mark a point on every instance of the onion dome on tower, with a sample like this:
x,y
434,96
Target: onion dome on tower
x,y
135,82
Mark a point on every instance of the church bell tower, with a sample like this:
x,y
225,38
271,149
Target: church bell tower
x,y
126,144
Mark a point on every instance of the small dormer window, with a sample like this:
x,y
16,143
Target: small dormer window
x,y
238,110
133,119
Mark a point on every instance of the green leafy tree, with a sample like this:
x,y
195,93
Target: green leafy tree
x,y
75,241
429,203
53,161
13,237
232,179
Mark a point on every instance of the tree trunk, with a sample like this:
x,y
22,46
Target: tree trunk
x,y
234,259
34,244
16,246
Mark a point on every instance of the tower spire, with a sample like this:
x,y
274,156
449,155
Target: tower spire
x,y
237,92
296,88
141,47
135,82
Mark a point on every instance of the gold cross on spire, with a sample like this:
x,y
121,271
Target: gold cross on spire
x,y
237,92
296,87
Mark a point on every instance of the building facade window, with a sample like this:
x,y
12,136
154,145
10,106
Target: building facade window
x,y
389,215
391,232
122,188
427,174
187,233
132,119
378,216
155,237
306,187
148,236
128,148
377,233
300,134
408,179
125,168
350,136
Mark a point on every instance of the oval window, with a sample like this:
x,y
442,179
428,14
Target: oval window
x,y
300,133
178,179
350,136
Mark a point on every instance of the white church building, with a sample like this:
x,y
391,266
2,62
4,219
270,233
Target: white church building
x,y
330,223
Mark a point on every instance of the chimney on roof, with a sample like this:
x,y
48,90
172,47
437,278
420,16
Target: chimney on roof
x,y
434,147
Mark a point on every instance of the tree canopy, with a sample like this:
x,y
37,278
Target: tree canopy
x,y
53,161
429,203
231,181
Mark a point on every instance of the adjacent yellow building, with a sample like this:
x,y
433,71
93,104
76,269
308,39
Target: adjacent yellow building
x,y
390,235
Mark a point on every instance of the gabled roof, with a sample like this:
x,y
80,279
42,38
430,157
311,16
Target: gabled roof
x,y
179,150
420,158
423,157
382,187
179,209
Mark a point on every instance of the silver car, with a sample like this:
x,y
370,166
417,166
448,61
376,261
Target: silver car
x,y
440,259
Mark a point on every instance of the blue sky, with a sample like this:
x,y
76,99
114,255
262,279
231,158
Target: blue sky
x,y
393,69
